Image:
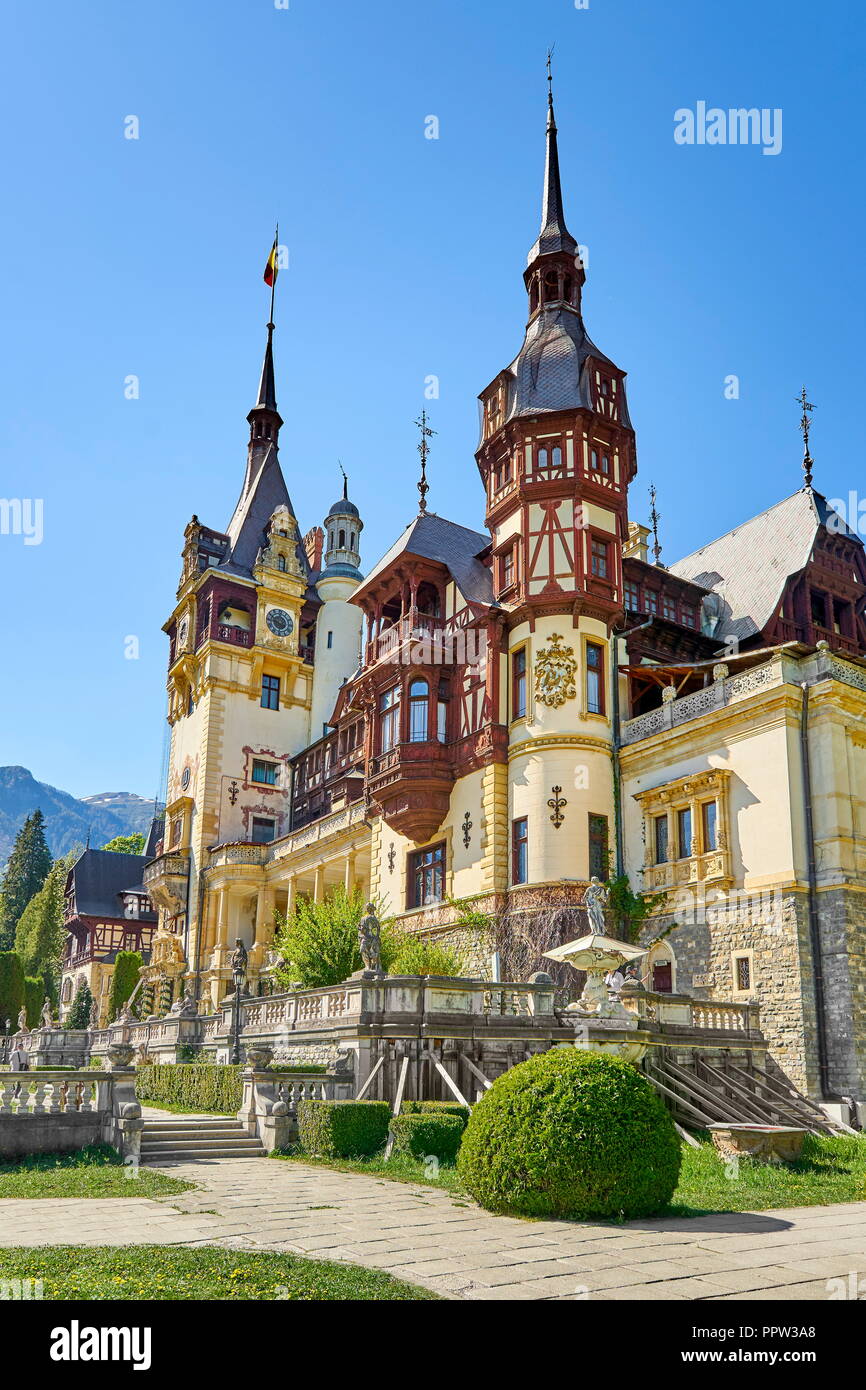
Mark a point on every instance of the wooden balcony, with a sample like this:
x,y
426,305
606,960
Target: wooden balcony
x,y
411,784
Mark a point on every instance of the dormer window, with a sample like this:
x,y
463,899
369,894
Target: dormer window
x,y
281,563
600,459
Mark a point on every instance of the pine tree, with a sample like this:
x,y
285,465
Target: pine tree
x,y
79,1014
127,968
41,934
27,870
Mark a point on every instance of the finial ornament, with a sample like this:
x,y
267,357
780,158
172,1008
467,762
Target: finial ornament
x,y
345,479
655,518
550,75
423,450
805,426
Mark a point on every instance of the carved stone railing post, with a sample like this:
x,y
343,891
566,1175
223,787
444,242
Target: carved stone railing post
x,y
122,1123
262,1112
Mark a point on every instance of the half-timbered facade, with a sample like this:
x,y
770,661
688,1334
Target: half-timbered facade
x,y
492,716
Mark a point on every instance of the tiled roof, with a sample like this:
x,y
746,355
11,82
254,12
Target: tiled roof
x,y
265,492
750,565
99,875
431,537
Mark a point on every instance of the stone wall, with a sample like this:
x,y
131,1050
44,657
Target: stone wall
x,y
774,928
21,1135
842,915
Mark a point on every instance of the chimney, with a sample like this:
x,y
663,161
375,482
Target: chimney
x,y
313,542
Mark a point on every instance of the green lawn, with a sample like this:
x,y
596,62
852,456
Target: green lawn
x,y
156,1272
830,1170
399,1168
97,1171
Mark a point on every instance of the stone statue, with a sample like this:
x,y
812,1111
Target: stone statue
x,y
184,1006
239,958
22,1022
594,900
94,1015
125,1014
369,940
47,1020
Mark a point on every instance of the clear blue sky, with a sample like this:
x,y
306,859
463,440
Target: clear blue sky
x,y
145,257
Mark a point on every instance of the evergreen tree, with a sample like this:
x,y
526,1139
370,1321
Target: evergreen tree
x,y
127,967
40,935
27,870
126,844
34,997
79,1014
11,989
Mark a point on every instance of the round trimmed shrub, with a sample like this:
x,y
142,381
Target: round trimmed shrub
x,y
436,1107
428,1135
571,1134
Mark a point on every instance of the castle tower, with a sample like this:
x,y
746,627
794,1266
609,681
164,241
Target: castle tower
x,y
240,683
338,625
556,456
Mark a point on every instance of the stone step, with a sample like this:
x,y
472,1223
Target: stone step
x,y
191,1156
191,1130
221,1141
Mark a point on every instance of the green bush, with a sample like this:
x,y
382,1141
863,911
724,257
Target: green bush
x,y
413,955
343,1128
436,1107
571,1134
11,988
79,1013
200,1086
124,978
34,997
433,1134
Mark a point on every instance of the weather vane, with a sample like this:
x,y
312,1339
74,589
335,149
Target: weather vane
x,y
655,518
345,478
423,450
805,426
550,74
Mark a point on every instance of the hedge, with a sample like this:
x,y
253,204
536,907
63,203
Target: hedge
x,y
198,1085
11,989
436,1107
343,1128
34,998
430,1135
571,1134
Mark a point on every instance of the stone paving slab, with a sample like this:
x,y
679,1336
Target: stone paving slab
x,y
431,1238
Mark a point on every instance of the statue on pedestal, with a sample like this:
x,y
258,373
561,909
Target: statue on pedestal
x,y
369,940
595,900
47,1020
22,1022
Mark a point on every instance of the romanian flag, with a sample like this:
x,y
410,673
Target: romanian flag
x,y
271,267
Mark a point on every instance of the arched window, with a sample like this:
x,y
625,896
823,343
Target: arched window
x,y
351,540
281,562
389,728
551,286
542,458
556,456
419,699
342,544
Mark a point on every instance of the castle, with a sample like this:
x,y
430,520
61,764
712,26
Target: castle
x,y
495,715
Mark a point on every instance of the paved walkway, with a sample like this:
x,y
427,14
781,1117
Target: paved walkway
x,y
431,1238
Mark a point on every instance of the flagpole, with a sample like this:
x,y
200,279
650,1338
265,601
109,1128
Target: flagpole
x,y
274,279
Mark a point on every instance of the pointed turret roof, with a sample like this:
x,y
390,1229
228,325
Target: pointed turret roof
x,y
554,235
267,397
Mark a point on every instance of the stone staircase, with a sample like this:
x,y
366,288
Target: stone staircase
x,y
196,1137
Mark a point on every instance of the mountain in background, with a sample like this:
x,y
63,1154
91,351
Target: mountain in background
x,y
67,819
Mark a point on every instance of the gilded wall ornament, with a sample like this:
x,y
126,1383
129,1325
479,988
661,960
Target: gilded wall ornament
x,y
555,670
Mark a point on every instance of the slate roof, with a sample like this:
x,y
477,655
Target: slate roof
x,y
431,537
550,372
750,565
263,492
98,877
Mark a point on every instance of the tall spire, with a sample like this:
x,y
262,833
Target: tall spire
x,y
267,397
553,235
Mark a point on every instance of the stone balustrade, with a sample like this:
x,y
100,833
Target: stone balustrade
x,y
53,1111
722,692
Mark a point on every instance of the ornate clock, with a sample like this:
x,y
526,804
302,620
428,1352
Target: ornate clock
x,y
279,621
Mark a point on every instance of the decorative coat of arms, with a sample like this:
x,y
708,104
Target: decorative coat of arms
x,y
555,670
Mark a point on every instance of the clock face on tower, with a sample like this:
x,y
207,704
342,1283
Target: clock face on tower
x,y
279,621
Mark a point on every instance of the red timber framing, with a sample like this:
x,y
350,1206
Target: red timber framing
x,y
429,693
95,938
825,602
547,480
